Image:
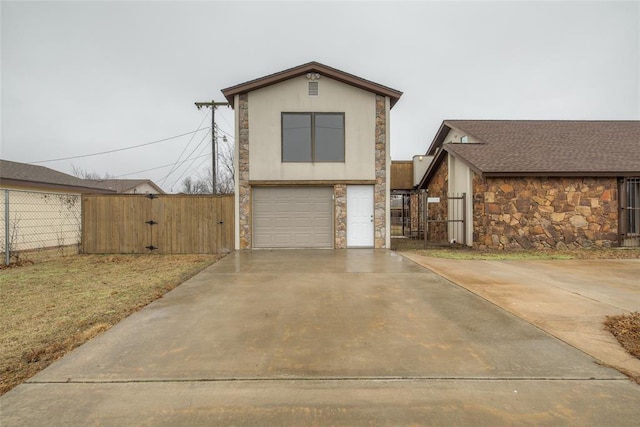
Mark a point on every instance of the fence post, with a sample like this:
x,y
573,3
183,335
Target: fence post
x,y
7,255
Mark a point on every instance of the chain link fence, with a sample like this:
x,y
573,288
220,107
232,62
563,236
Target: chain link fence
x,y
39,225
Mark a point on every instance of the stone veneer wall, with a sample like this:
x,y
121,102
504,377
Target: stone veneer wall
x,y
439,187
538,212
380,188
243,173
340,211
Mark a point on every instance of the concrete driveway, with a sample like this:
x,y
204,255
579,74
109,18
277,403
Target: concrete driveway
x,y
350,337
569,299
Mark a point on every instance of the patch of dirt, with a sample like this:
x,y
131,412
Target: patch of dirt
x,y
626,329
19,263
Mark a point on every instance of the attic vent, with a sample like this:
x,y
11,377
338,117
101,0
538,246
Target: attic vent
x,y
313,88
464,139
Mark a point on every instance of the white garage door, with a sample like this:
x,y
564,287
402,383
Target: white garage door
x,y
292,217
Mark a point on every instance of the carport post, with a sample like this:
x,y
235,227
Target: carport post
x,y
7,255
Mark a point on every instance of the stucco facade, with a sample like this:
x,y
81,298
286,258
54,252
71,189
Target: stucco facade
x,y
259,149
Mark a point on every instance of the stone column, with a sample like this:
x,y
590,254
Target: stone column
x,y
379,192
243,173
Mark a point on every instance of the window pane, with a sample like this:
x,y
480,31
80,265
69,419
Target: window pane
x,y
329,143
296,137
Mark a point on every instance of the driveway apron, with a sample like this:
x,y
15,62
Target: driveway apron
x,y
322,337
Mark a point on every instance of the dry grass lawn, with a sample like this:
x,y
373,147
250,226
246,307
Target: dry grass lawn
x,y
463,252
49,308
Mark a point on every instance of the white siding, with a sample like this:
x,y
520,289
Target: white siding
x,y
461,181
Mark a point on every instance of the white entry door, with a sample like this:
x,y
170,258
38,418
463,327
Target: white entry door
x,y
360,216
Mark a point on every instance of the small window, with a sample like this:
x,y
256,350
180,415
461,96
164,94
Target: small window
x,y
313,137
313,88
464,139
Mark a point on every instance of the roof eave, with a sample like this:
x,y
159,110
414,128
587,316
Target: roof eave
x,y
431,170
558,174
39,184
353,80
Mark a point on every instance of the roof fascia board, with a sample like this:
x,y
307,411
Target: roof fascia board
x,y
438,139
573,174
393,94
431,170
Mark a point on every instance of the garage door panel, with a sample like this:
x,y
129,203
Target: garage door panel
x,y
290,217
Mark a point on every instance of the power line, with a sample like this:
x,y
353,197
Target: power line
x,y
119,149
183,150
189,169
226,133
187,159
157,167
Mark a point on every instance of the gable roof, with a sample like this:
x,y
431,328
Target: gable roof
x,y
311,67
24,174
123,185
543,147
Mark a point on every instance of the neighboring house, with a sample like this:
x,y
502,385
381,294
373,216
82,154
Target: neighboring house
x,y
312,160
128,186
44,207
537,184
23,176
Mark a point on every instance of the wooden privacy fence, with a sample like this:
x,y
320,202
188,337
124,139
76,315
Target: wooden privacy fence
x,y
166,224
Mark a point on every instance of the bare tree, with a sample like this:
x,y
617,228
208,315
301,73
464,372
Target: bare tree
x,y
199,186
85,174
226,168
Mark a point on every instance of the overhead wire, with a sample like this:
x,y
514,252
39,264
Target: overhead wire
x,y
190,169
188,158
120,149
184,149
156,168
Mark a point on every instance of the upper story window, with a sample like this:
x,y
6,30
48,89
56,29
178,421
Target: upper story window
x,y
313,137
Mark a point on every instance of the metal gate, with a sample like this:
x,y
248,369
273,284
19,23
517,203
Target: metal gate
x,y
445,218
630,212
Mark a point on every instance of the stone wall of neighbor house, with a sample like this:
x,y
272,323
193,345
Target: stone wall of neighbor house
x,y
538,212
340,211
380,188
438,187
243,173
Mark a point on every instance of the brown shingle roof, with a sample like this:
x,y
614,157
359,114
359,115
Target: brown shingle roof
x,y
25,174
123,185
521,147
309,67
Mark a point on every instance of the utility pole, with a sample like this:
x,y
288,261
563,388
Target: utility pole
x,y
214,140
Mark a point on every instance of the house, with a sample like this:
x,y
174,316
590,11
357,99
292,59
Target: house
x,y
128,186
24,176
535,184
312,159
44,208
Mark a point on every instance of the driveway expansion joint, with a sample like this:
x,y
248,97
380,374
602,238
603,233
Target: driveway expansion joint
x,y
331,379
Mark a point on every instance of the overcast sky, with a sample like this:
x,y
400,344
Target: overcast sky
x,y
85,77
